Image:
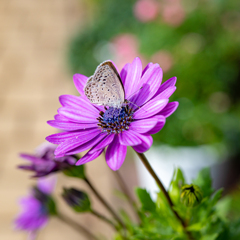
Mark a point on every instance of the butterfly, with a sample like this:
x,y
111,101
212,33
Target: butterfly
x,y
105,87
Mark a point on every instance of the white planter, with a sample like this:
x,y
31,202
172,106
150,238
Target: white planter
x,y
191,160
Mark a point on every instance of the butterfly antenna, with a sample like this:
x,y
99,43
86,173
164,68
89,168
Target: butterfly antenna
x,y
135,92
127,101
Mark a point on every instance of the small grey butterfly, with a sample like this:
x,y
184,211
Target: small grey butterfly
x,y
105,87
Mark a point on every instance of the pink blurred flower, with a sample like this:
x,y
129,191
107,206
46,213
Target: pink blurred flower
x,y
125,48
164,58
173,12
146,10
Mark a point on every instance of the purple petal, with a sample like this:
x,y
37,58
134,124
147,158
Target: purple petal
x,y
76,141
89,156
99,108
124,71
167,93
169,83
25,167
160,124
71,126
31,217
169,109
150,83
151,108
147,67
129,138
115,154
143,126
86,145
47,184
105,142
29,157
79,116
58,138
133,77
77,103
60,118
80,82
145,145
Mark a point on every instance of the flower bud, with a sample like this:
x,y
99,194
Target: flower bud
x,y
76,199
191,195
47,202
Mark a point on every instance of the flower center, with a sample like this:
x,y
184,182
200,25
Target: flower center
x,y
115,120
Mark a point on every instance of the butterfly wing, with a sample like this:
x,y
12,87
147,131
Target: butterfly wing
x,y
105,86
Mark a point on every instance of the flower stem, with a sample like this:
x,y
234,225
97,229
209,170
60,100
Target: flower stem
x,y
105,219
126,192
76,226
159,183
103,201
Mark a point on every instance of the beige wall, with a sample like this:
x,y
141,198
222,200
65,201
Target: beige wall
x,y
33,73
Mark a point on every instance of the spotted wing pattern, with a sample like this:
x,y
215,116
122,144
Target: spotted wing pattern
x,y
105,86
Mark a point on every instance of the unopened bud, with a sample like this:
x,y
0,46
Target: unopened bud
x,y
76,199
191,195
47,202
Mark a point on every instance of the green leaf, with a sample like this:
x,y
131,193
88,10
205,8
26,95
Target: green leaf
x,y
235,230
223,207
204,181
145,199
176,185
195,227
210,237
51,205
216,196
75,171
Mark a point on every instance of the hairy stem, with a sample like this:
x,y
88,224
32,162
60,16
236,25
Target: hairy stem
x,y
105,219
76,226
103,201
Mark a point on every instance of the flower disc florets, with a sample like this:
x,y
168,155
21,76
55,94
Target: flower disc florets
x,y
115,120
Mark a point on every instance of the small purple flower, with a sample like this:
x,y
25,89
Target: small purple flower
x,y
35,210
44,161
85,124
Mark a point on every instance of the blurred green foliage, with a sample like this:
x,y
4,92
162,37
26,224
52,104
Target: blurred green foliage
x,y
205,49
206,221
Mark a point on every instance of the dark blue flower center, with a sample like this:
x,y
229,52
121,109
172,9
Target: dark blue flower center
x,y
115,120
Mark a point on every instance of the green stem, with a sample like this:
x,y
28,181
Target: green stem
x,y
76,226
103,201
100,216
159,183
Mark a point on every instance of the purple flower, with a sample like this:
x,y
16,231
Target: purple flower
x,y
86,125
44,161
35,210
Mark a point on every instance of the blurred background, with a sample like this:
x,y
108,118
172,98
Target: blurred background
x,y
43,43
